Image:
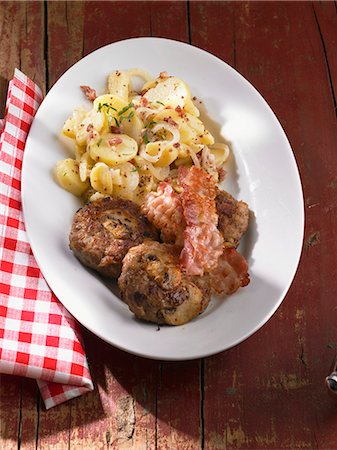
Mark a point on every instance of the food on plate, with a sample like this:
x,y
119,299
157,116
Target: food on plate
x,y
202,239
156,217
230,274
233,217
103,231
163,208
156,289
127,142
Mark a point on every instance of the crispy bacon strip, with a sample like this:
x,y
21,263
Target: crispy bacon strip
x,y
89,92
164,210
230,274
202,239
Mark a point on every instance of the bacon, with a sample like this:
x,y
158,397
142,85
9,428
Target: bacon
x,y
179,110
89,93
115,141
116,130
164,210
170,121
230,274
144,101
202,239
92,133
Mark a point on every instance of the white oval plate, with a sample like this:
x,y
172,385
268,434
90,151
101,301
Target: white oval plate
x,y
262,171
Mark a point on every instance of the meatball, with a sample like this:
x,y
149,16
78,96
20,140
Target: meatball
x,y
155,288
233,218
103,231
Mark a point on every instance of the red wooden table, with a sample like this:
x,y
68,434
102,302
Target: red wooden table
x,y
268,392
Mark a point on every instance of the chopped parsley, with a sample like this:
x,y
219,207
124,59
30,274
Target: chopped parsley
x,y
151,123
129,117
117,122
99,142
146,138
160,103
108,107
123,110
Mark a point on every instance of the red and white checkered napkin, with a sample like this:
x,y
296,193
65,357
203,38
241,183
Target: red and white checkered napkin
x,y
38,337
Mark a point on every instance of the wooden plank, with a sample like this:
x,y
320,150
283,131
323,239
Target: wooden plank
x,y
120,413
254,391
169,19
326,19
53,426
107,22
22,43
212,28
65,37
30,407
10,418
178,406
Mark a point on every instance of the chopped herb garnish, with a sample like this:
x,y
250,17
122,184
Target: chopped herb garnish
x,y
161,103
146,138
123,110
151,123
134,170
99,142
117,122
108,107
129,117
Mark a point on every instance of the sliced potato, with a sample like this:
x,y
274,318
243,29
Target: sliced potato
x,y
170,91
118,84
133,128
71,125
113,103
101,179
85,165
93,120
206,138
113,149
160,153
129,180
191,108
67,174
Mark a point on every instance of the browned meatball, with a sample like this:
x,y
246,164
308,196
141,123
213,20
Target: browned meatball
x,y
155,288
103,231
233,218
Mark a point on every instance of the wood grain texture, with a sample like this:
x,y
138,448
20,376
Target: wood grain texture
x,y
268,392
264,386
64,37
22,43
107,22
10,411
